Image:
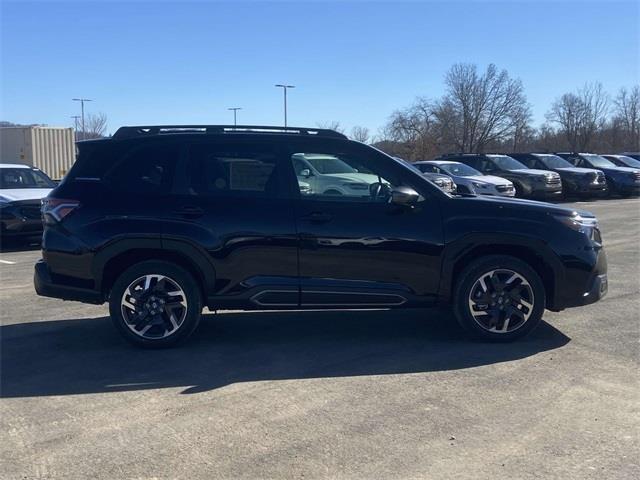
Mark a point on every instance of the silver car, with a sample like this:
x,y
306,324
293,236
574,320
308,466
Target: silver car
x,y
468,179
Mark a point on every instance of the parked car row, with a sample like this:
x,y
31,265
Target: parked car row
x,y
538,175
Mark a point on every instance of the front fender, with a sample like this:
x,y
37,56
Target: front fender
x,y
459,253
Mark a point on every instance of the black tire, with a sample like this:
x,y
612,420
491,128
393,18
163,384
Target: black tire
x,y
519,190
467,280
175,274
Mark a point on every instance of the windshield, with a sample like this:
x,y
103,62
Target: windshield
x,y
459,169
505,162
597,160
329,165
628,161
24,178
554,161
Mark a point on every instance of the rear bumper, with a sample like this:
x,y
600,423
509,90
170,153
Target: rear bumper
x,y
45,286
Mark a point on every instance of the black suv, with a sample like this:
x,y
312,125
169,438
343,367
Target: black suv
x,y
162,221
528,182
621,180
584,182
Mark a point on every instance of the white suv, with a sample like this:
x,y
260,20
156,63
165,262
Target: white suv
x,y
329,175
21,189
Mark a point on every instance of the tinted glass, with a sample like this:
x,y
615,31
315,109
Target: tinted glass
x,y
473,162
232,169
553,161
345,177
459,169
24,178
628,161
145,170
427,168
328,164
598,161
505,162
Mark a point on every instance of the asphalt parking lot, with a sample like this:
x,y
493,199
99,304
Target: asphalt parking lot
x,y
366,394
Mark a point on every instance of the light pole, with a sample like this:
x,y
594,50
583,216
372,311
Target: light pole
x,y
284,89
235,114
75,124
82,100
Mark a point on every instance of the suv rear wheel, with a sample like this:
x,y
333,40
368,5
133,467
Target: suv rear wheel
x,y
155,304
499,298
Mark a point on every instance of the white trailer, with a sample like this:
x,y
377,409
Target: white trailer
x,y
51,149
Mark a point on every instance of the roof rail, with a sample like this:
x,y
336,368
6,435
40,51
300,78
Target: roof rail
x,y
147,130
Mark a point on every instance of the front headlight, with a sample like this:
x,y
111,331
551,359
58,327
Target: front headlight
x,y
586,225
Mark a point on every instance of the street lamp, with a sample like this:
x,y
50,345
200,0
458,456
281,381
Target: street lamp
x,y
284,89
235,114
82,100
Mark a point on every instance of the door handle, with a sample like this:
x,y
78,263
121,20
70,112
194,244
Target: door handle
x,y
317,217
190,212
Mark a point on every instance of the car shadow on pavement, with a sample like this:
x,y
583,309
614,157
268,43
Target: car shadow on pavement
x,y
65,357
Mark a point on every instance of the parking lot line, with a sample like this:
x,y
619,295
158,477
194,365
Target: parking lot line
x,y
7,262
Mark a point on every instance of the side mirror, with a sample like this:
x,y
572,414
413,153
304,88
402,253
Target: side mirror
x,y
405,196
306,173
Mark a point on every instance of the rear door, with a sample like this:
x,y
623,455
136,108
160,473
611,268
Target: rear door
x,y
232,202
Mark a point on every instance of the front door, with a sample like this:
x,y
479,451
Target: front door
x,y
357,249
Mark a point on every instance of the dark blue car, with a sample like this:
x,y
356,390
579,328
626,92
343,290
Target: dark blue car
x,y
621,180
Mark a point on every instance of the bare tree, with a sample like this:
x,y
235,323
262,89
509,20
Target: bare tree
x,y
480,109
361,134
416,128
95,126
581,116
627,116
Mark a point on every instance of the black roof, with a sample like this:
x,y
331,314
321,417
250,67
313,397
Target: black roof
x,y
151,130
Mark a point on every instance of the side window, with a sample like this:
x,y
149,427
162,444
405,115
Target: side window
x,y
145,170
471,161
232,170
487,165
350,176
427,168
577,161
528,161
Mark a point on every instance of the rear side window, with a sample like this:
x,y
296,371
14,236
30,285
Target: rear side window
x,y
428,168
528,161
145,170
233,169
472,162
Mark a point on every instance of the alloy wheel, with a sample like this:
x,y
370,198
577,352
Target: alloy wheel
x,y
154,306
501,301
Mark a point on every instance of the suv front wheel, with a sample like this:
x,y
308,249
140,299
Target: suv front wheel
x,y
155,304
499,298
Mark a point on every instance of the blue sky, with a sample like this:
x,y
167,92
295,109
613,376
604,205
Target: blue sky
x,y
353,62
